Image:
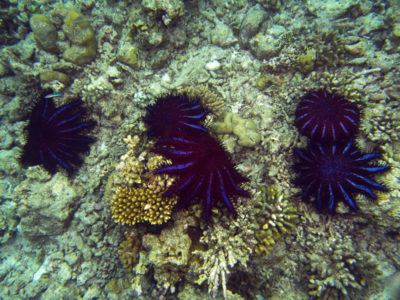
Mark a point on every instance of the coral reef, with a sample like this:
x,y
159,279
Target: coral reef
x,y
77,28
307,61
135,166
135,205
45,208
8,221
129,250
165,257
250,24
169,10
258,59
381,122
45,32
128,54
339,269
78,44
228,247
277,217
136,197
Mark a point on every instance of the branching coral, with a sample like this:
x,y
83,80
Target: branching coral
x,y
135,205
277,215
138,196
339,84
228,247
330,48
339,268
334,259
381,122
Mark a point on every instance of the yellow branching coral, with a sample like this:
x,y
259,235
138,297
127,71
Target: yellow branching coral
x,y
138,194
134,205
279,217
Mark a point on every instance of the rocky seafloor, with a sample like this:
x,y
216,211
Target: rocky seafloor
x,y
250,62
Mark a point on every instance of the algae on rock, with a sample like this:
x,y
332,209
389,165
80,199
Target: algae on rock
x,y
170,10
77,28
45,32
128,54
46,204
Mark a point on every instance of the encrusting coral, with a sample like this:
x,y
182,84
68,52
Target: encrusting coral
x,y
245,129
278,217
165,258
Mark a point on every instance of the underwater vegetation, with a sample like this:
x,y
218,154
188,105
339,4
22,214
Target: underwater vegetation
x,y
327,117
55,135
332,167
202,164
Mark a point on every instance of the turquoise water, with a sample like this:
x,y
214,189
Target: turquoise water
x,y
106,231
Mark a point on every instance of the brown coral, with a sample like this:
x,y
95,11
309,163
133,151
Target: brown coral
x,y
129,251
